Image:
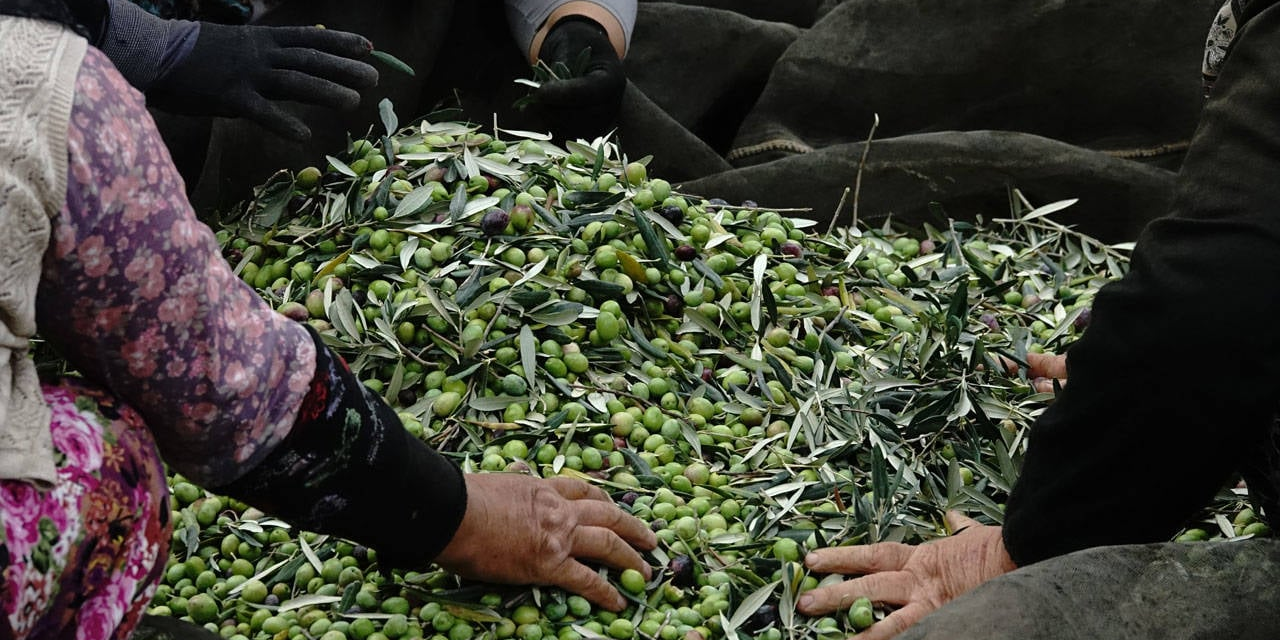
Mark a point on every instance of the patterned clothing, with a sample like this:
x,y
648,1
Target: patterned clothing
x,y
1227,24
83,558
135,294
138,298
1221,34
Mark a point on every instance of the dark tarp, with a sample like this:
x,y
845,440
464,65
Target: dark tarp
x,y
1086,99
1172,591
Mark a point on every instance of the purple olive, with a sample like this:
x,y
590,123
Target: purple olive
x,y
927,246
686,253
990,321
673,305
406,397
765,617
434,173
1082,320
792,249
681,568
629,498
749,204
494,222
831,292
295,311
673,214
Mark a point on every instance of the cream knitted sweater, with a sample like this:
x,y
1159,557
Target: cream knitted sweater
x,y
39,62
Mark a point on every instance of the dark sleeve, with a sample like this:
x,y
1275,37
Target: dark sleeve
x,y
1174,383
144,48
351,469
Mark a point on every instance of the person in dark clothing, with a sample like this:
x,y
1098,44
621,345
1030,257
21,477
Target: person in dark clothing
x,y
1127,454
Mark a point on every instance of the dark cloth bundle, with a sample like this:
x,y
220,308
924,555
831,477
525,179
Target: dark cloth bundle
x,y
85,17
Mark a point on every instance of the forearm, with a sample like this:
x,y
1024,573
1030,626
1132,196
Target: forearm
x,y
532,19
1142,437
350,468
143,47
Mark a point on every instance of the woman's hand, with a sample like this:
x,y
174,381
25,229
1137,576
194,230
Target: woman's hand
x,y
1043,369
918,579
523,530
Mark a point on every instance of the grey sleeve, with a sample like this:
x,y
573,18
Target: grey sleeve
x,y
526,16
143,47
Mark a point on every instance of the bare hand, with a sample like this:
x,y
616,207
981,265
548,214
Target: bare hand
x,y
918,579
524,530
1044,369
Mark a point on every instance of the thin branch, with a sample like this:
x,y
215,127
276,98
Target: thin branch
x,y
857,184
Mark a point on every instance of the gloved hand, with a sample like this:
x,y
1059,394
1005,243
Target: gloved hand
x,y
244,71
586,105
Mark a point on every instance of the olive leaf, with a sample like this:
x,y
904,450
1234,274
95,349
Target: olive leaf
x,y
392,61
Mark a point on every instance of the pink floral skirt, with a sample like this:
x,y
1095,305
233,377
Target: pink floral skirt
x,y
83,558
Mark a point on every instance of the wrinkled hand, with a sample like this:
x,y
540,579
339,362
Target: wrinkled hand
x,y
918,579
245,71
524,530
587,105
1044,369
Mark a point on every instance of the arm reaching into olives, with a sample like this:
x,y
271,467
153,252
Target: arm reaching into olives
x,y
522,530
588,103
918,579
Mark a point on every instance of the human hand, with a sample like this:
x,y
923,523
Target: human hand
x,y
918,579
1043,369
523,530
246,71
587,104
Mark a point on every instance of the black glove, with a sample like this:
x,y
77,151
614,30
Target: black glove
x,y
585,105
244,71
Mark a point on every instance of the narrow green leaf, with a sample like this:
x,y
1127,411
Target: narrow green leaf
x,y
309,600
341,167
557,314
529,355
751,603
414,202
459,203
392,61
656,246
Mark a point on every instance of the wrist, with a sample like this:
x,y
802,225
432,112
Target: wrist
x,y
350,468
998,556
582,9
143,47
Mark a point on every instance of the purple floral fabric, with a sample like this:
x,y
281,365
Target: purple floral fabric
x,y
174,350
82,559
136,295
